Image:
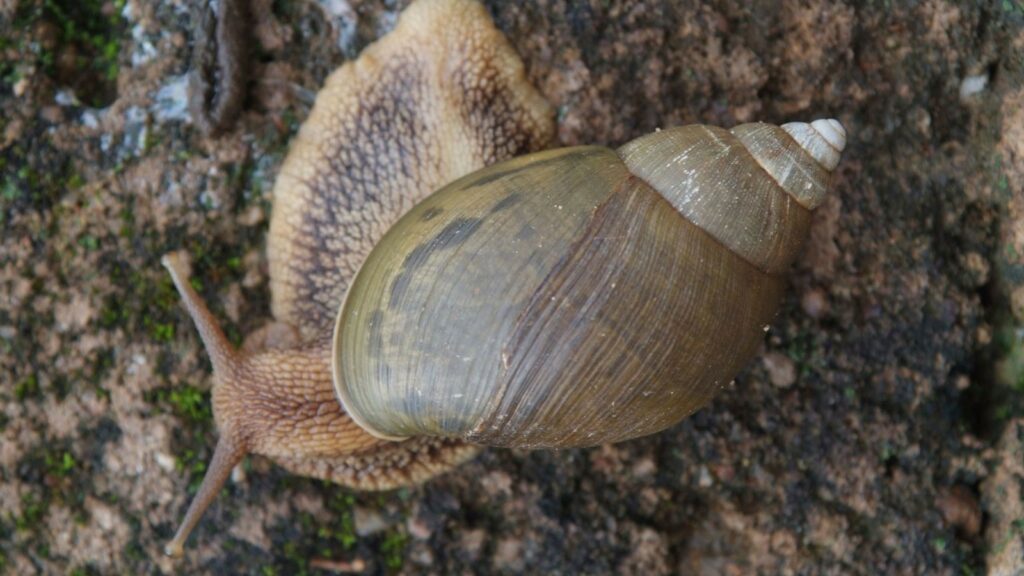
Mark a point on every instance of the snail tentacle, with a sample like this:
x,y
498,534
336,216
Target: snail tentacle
x,y
230,450
222,354
226,456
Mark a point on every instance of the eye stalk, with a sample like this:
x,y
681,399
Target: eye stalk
x,y
226,362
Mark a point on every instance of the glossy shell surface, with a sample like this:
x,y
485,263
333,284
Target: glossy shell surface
x,y
576,296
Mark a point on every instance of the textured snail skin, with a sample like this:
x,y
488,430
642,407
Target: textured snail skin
x,y
580,296
442,95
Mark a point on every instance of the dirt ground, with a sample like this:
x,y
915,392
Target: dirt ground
x,y
878,432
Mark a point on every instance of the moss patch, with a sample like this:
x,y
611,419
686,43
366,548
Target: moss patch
x,y
83,44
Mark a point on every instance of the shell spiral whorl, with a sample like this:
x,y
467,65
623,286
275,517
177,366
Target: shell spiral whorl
x,y
823,139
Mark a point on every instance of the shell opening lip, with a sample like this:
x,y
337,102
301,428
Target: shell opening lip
x,y
341,389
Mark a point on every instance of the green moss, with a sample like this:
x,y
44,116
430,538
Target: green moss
x,y
193,403
151,140
346,532
343,530
32,511
75,181
134,552
42,178
296,558
888,453
148,302
89,242
102,362
88,30
393,549
185,401
109,317
127,216
162,332
60,465
192,463
10,190
27,387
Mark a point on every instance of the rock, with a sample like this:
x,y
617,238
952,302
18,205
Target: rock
x,y
368,521
814,303
418,528
471,544
781,370
959,507
508,555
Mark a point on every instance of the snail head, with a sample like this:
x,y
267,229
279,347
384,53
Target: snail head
x,y
277,402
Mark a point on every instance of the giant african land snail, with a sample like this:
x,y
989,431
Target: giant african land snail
x,y
563,298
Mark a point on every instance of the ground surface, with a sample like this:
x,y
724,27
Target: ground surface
x,y
865,439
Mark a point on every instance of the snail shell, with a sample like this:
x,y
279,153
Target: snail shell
x,y
583,295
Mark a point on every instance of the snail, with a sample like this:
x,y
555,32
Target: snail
x,y
560,298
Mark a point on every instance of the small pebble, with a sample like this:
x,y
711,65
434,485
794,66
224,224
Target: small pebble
x,y
978,267
960,509
783,542
644,468
165,461
21,86
472,542
983,335
422,555
781,370
508,555
368,521
1017,303
972,85
814,303
418,528
704,479
238,474
338,566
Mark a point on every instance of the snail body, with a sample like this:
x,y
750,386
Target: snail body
x,y
435,289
